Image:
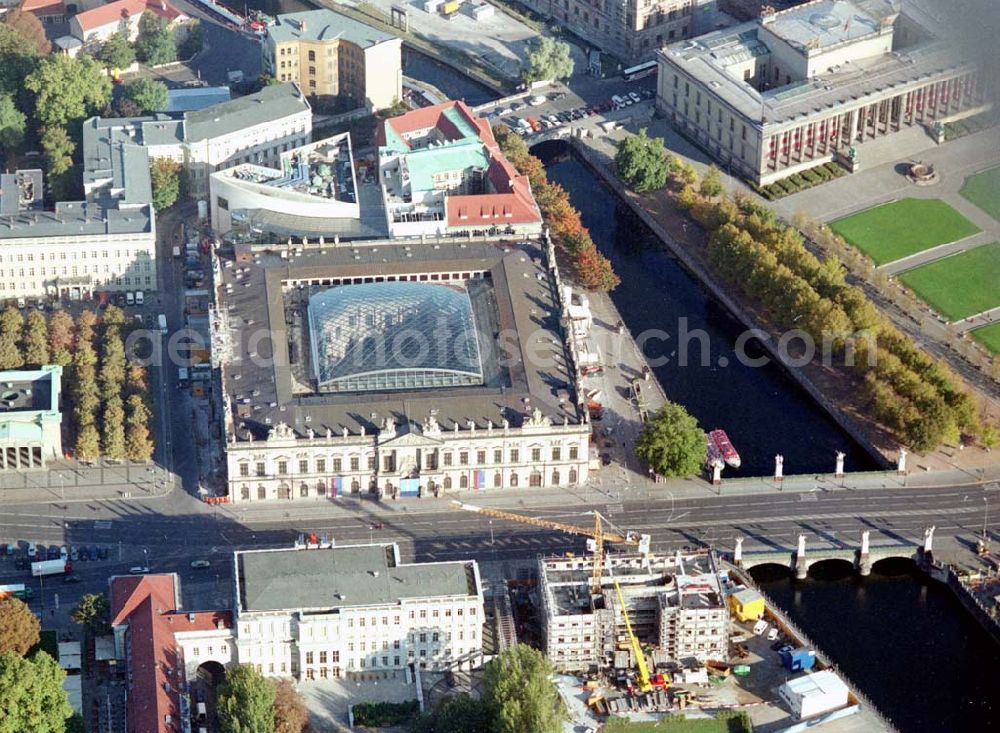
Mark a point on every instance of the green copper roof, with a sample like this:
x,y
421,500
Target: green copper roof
x,y
425,163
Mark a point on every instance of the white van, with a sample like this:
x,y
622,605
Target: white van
x,y
139,297
129,298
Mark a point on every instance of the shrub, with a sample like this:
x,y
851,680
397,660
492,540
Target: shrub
x,y
384,714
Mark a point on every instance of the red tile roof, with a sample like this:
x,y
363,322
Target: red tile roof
x,y
509,202
147,604
44,7
114,12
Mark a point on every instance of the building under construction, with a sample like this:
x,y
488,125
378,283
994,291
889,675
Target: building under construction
x,y
675,604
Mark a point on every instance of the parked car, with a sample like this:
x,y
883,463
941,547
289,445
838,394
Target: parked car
x,y
92,552
634,97
536,100
556,96
63,553
71,578
54,552
102,553
32,550
74,554
198,564
138,569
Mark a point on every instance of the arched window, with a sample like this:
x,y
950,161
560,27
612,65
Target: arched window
x,y
261,492
497,480
303,489
572,477
535,479
513,480
320,488
245,492
355,486
284,492
555,478
447,482
463,481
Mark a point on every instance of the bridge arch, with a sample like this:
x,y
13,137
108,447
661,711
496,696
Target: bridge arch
x,y
769,570
830,568
894,564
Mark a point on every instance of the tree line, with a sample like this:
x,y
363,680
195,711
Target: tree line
x,y
767,261
592,269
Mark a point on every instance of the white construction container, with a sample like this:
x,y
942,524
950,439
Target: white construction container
x,y
814,694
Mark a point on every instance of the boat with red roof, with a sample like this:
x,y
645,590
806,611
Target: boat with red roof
x,y
725,447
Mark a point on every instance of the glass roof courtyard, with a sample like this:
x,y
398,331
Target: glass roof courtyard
x,y
393,336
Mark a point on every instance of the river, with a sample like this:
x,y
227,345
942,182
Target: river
x,y
763,410
904,639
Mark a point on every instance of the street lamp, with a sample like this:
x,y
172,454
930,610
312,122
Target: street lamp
x,y
986,514
491,533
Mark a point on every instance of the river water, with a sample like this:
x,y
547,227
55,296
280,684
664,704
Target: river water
x,y
904,639
763,410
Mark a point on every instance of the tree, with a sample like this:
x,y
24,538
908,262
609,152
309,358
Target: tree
x,y
88,444
457,714
547,59
246,701
36,340
113,430
67,89
30,28
12,124
117,52
643,162
147,94
594,270
290,712
10,353
61,332
139,446
672,443
93,613
193,41
518,690
711,183
18,58
58,148
168,179
19,627
155,42
31,695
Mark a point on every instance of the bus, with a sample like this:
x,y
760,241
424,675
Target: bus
x,y
637,72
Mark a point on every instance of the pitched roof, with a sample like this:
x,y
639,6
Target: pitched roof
x,y
270,104
148,605
44,7
114,12
324,25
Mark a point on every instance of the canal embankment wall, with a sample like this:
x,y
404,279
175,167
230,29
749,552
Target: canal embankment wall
x,y
792,630
979,610
600,164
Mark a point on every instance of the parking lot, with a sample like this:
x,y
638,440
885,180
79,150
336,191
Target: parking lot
x,y
542,112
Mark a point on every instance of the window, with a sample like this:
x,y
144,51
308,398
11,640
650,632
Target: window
x,y
463,458
536,455
371,463
261,469
303,490
322,657
282,468
423,638
355,463
338,465
434,636
312,71
261,492
447,459
515,456
303,466
244,469
480,458
498,456
245,492
320,465
556,453
309,657
312,55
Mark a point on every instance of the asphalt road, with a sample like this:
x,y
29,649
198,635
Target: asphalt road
x,y
167,533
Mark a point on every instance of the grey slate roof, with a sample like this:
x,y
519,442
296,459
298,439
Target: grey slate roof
x,y
76,218
324,25
268,105
342,577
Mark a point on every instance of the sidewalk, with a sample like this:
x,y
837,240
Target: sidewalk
x,y
636,488
67,482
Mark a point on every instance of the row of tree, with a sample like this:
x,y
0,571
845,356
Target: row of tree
x,y
248,702
32,697
110,396
907,391
157,43
592,269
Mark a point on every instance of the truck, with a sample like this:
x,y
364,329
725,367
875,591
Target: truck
x,y
162,320
50,567
16,590
177,251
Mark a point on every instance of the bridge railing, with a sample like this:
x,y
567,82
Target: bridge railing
x,y
803,639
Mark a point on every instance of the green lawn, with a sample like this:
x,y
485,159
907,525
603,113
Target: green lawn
x,y
983,189
960,285
989,337
725,723
901,228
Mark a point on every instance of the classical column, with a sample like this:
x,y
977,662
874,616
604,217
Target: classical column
x,y
901,462
839,472
738,552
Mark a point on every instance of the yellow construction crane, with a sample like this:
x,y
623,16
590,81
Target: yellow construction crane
x,y
644,683
597,533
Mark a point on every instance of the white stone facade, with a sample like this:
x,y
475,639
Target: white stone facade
x,y
284,468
